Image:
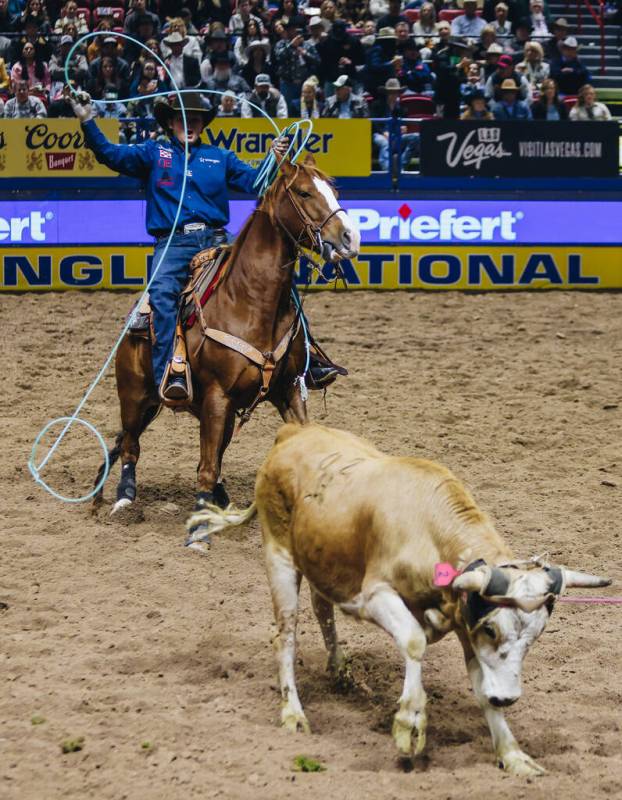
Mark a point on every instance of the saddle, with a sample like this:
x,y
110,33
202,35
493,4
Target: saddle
x,y
207,269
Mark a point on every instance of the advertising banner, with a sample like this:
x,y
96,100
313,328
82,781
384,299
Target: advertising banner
x,y
36,148
519,149
378,267
395,222
45,148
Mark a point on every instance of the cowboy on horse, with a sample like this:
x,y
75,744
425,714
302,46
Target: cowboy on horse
x,y
205,212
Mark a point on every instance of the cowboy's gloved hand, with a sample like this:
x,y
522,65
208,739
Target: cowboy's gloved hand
x,y
279,147
81,104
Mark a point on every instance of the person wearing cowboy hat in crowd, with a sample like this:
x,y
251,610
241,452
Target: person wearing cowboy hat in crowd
x,y
415,74
477,107
388,106
493,54
340,53
211,171
450,57
258,63
185,70
504,71
223,78
567,70
344,104
251,33
267,97
553,47
229,105
468,25
216,43
382,61
510,107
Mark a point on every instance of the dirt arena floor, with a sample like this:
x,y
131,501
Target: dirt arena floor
x,y
161,658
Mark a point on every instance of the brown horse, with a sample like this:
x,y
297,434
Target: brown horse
x,y
253,306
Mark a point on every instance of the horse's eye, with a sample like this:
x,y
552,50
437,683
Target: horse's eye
x,y
489,631
303,194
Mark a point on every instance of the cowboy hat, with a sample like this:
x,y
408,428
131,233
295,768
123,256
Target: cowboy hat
x,y
509,85
480,3
393,85
164,111
175,38
386,33
264,44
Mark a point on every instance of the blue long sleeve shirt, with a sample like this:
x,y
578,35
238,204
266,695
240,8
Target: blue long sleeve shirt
x,y
211,170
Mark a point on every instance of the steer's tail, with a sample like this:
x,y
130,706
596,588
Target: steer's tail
x,y
219,519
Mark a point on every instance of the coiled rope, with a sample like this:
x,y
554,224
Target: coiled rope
x,y
267,174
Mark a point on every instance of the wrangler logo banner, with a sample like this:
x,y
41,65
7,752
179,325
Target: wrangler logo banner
x,y
384,268
45,148
339,146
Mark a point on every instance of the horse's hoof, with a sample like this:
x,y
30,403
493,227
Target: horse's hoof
x,y
124,502
221,498
199,547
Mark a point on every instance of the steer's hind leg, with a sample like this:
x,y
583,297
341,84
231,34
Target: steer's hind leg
x,y
284,580
507,751
337,665
385,607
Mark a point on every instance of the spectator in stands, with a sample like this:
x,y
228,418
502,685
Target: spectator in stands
x,y
538,21
287,10
192,46
223,78
251,33
37,10
185,70
295,61
493,54
502,26
505,71
588,108
108,75
486,38
78,69
553,48
344,104
93,48
510,107
389,106
31,33
209,11
217,42
382,61
60,106
24,105
533,66
69,13
5,78
425,29
316,31
241,17
477,108
146,81
340,53
145,32
109,49
468,25
474,80
392,17
9,23
328,14
138,9
258,62
31,69
229,106
549,106
309,106
415,75
522,33
266,96
449,58
368,37
378,7
109,106
402,35
568,71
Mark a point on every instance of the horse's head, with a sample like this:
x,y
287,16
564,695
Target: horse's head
x,y
305,205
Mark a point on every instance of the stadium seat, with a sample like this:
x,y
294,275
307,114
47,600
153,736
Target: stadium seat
x,y
570,101
411,14
449,14
417,106
118,14
85,14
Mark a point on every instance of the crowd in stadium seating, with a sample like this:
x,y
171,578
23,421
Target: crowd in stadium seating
x,y
473,59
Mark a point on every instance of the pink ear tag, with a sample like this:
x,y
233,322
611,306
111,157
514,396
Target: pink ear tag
x,y
444,574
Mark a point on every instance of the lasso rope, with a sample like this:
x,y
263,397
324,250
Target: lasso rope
x,y
267,174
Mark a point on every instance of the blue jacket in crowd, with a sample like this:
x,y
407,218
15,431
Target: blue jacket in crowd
x,y
211,170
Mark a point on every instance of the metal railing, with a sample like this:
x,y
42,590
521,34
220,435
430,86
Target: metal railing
x,y
599,19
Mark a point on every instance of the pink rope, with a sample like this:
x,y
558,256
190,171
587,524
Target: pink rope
x,y
605,601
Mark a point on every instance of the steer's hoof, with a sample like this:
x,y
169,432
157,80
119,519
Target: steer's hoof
x,y
402,736
341,676
520,764
294,722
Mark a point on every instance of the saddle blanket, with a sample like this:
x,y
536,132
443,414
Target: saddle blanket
x,y
207,269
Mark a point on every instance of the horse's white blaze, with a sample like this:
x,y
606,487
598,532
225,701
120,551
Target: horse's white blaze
x,y
328,194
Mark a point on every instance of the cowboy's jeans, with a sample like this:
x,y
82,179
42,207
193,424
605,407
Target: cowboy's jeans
x,y
170,279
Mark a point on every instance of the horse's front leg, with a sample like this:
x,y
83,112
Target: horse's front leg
x,y
217,423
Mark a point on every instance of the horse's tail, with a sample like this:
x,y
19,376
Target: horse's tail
x,y
219,519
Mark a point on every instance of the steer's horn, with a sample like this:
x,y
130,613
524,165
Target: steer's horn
x,y
473,581
573,578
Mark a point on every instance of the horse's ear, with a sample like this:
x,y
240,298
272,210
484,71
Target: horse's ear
x,y
309,160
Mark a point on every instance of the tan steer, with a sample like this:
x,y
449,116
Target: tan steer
x,y
366,530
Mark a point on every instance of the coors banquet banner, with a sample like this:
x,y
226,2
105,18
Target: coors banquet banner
x,y
519,149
